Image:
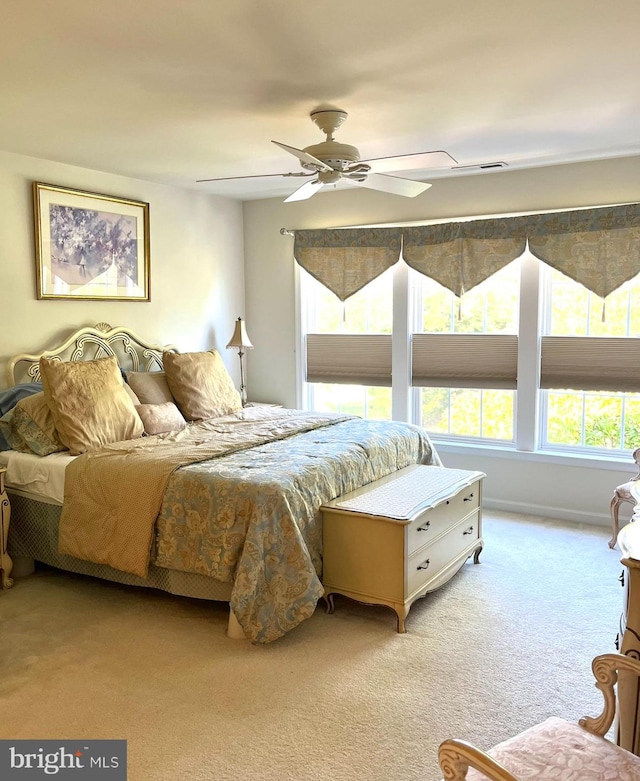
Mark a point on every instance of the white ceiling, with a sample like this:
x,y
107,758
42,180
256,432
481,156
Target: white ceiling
x,y
178,91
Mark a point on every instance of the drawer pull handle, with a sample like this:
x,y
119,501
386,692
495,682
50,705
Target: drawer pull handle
x,y
468,531
424,565
468,498
621,578
424,527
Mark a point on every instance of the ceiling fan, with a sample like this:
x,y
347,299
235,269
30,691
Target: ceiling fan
x,y
330,162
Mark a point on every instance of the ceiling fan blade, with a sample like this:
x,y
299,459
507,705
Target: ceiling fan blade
x,y
393,184
253,176
306,191
304,156
438,159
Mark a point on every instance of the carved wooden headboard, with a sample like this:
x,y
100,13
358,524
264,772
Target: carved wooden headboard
x,y
87,344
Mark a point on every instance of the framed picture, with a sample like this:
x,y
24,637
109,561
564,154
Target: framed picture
x,y
90,246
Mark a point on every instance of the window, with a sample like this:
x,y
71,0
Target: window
x,y
456,362
340,340
491,307
590,419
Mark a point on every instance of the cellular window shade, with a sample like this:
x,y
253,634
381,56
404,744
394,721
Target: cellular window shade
x,y
464,360
590,363
351,359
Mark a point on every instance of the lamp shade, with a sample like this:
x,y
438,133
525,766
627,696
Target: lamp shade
x,y
240,338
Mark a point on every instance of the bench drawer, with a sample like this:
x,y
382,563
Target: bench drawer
x,y
431,523
428,562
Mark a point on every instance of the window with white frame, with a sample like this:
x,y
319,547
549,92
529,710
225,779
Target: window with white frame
x,y
590,419
459,409
348,348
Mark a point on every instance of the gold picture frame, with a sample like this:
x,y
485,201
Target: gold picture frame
x,y
90,246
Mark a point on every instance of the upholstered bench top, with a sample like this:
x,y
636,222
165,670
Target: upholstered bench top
x,y
557,750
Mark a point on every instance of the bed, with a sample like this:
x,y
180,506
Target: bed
x,y
237,521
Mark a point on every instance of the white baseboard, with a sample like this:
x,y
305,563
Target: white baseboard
x,y
558,513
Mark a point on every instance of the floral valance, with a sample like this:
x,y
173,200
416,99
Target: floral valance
x,y
599,248
460,255
346,260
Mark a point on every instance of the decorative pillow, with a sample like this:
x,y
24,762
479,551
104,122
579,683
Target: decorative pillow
x,y
89,404
11,440
131,394
10,397
201,385
149,387
161,418
33,422
8,400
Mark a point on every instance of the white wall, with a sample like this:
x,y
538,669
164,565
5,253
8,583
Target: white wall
x,y
532,485
197,273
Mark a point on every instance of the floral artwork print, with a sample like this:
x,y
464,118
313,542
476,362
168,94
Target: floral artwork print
x,y
86,243
90,246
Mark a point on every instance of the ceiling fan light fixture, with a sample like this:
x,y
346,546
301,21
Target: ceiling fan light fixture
x,y
329,177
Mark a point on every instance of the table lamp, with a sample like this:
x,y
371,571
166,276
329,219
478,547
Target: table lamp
x,y
241,342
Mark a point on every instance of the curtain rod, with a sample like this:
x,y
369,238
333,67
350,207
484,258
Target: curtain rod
x,y
444,220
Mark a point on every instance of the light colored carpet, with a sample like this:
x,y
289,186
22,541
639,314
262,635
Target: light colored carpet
x,y
502,646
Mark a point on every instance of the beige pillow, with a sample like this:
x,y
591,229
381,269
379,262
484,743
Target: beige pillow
x,y
161,418
149,387
201,385
131,394
89,404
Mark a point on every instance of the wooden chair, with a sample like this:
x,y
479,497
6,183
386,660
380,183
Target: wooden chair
x,y
555,749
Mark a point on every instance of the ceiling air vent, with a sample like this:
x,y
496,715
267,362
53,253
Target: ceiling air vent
x,y
479,166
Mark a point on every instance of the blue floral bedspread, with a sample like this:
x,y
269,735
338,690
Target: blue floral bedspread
x,y
252,517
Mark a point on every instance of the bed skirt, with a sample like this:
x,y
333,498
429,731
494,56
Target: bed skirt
x,y
33,533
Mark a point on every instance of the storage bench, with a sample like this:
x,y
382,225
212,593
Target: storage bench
x,y
400,537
